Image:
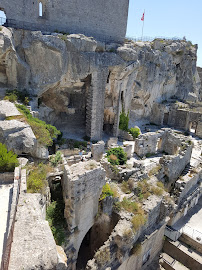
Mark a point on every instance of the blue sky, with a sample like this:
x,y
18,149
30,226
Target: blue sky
x,y
168,18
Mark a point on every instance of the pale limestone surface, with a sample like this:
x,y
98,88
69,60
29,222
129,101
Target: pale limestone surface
x,y
5,203
7,109
33,243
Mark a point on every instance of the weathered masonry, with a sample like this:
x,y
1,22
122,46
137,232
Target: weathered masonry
x,y
104,20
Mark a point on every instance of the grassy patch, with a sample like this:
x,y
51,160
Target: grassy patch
x,y
154,170
45,133
138,221
131,206
36,180
56,220
8,160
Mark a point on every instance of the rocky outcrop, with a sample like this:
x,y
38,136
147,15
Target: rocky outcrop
x,y
83,84
17,135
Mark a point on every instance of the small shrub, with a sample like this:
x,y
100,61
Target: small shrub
x,y
1,28
16,95
119,153
123,122
106,192
148,155
8,160
135,132
56,159
80,144
138,221
45,133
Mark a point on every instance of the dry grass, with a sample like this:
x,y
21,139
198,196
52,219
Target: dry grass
x,y
154,170
114,189
125,187
102,256
91,165
156,191
127,234
137,249
138,221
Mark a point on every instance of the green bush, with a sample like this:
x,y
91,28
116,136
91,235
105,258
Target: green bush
x,y
123,122
16,95
116,156
135,132
55,160
36,180
8,160
106,192
45,133
56,220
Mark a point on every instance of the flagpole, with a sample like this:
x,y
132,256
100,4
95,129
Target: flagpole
x,y
143,25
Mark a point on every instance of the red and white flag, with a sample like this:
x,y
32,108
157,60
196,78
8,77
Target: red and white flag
x,y
142,19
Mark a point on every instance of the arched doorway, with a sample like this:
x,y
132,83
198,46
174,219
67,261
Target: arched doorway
x,y
95,238
2,16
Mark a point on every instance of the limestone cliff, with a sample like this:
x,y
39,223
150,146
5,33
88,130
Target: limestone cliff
x,y
82,84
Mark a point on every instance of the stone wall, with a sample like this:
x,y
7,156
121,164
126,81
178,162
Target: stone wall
x,y
105,20
82,186
11,218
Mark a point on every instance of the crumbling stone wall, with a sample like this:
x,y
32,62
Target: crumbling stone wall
x,y
82,186
105,20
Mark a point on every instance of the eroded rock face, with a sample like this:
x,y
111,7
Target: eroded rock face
x,y
83,84
17,135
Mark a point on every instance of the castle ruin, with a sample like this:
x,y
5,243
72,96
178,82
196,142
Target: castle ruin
x,y
104,20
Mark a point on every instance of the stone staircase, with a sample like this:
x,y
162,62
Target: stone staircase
x,y
180,256
187,169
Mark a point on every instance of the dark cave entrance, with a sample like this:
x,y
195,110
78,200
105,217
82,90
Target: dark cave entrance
x,y
165,119
95,238
71,107
2,16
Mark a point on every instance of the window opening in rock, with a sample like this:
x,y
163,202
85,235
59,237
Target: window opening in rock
x,y
146,256
40,9
165,119
193,127
2,17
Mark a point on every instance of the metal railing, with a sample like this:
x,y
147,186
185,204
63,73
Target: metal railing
x,y
149,39
193,233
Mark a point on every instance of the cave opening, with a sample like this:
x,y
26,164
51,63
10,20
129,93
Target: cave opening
x,y
95,238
